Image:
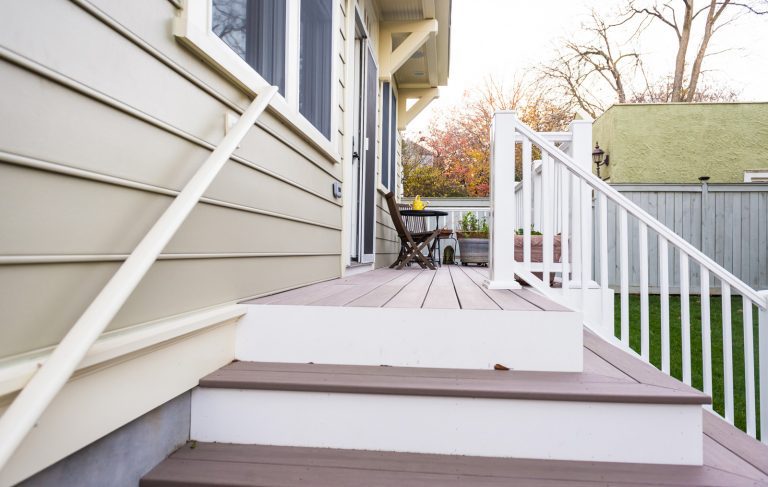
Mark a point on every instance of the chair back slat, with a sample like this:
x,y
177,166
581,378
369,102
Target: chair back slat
x,y
397,219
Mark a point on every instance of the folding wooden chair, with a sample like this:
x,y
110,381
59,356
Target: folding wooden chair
x,y
411,244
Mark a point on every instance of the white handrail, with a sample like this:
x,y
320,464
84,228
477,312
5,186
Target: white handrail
x,y
640,214
32,401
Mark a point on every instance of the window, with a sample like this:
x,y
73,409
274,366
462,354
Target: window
x,y
389,138
255,30
315,61
284,43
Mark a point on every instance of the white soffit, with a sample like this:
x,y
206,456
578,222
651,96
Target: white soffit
x,y
429,66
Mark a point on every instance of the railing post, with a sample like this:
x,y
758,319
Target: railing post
x,y
503,214
581,152
762,354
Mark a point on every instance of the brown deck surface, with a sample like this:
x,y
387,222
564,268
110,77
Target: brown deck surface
x,y
362,379
211,464
449,287
731,458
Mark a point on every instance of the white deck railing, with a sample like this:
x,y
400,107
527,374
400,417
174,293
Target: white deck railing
x,y
34,398
565,186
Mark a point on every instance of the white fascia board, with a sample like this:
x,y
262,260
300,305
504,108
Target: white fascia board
x,y
16,371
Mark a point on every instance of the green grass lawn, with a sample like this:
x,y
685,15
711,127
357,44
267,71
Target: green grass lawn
x,y
696,357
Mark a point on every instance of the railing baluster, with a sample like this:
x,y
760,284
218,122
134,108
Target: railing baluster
x,y
604,289
527,150
664,298
565,226
584,191
685,317
546,215
645,333
762,354
706,333
727,351
749,366
624,268
537,193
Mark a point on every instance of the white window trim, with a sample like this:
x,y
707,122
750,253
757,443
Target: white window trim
x,y
751,175
193,28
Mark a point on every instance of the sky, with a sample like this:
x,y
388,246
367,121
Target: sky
x,y
504,38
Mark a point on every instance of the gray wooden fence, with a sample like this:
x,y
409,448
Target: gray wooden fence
x,y
728,222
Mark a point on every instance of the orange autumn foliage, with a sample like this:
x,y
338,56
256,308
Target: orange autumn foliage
x,y
452,158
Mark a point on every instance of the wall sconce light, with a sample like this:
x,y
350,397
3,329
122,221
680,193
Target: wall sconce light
x,y
599,157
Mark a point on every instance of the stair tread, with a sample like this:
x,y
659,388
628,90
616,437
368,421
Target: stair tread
x,y
491,384
212,464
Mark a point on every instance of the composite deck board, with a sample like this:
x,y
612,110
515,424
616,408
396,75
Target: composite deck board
x,y
471,296
629,365
504,298
595,364
361,379
272,298
380,296
306,293
449,287
732,438
718,456
412,294
313,294
428,372
375,281
441,293
257,465
526,294
537,299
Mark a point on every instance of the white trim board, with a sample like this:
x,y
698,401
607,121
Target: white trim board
x,y
552,430
98,402
120,344
450,338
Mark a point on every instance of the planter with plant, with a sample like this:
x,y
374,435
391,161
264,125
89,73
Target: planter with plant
x,y
473,239
537,250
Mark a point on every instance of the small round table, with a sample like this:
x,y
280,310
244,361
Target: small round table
x,y
426,214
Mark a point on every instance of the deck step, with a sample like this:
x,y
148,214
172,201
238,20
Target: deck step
x,y
209,464
452,338
510,414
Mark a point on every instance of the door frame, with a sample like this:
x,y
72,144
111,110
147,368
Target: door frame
x,y
355,142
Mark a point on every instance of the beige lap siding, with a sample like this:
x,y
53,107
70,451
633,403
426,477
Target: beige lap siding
x,y
387,242
139,108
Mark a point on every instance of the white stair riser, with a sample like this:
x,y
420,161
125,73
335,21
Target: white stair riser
x,y
562,430
469,339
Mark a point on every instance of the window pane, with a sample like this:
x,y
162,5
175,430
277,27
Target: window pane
x,y
255,30
385,136
315,63
393,142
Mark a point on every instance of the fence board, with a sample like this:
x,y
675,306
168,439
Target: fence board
x,y
728,222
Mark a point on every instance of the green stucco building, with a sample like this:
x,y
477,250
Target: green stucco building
x,y
679,142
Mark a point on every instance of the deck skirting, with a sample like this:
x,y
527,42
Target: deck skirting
x,y
507,428
448,338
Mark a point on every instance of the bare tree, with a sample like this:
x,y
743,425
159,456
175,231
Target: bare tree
x,y
682,16
581,69
662,90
